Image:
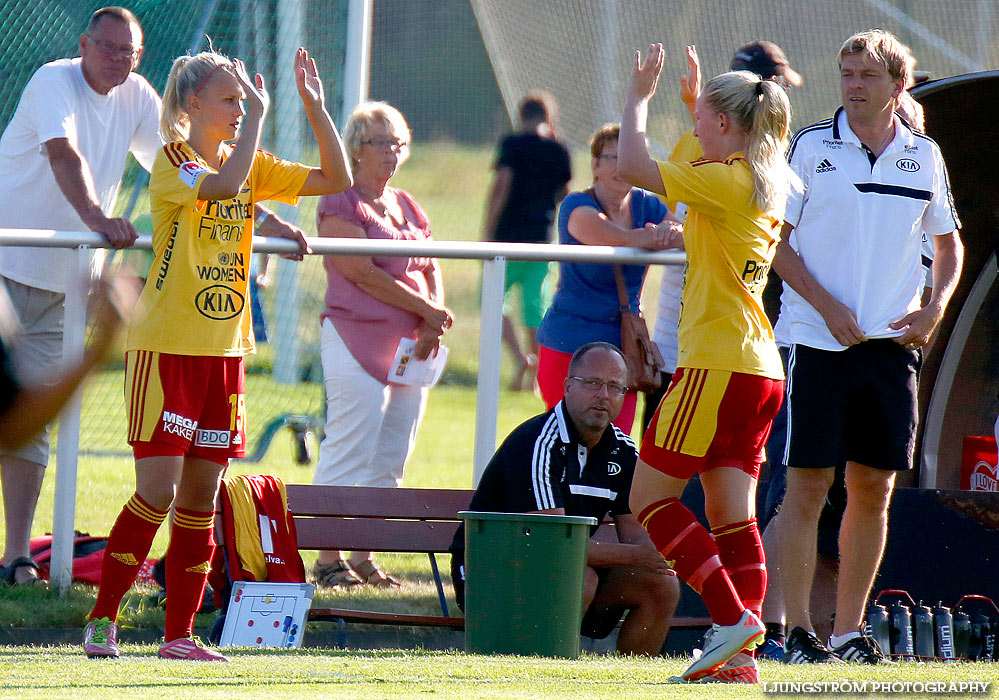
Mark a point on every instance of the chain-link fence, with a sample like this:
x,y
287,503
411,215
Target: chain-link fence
x,y
582,50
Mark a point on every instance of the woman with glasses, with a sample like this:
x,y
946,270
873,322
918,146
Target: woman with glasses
x,y
585,308
372,303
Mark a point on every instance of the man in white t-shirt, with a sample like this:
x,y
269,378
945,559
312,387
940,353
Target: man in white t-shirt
x,y
853,278
61,161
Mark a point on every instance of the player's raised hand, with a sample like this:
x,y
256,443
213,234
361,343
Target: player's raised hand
x,y
645,74
690,82
257,99
310,87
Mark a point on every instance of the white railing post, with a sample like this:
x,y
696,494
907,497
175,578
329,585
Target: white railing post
x,y
67,452
288,142
490,342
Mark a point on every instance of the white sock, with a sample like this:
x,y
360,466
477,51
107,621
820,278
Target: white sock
x,y
838,640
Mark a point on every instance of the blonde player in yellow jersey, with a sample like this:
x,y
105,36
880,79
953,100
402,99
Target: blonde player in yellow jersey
x,y
184,353
715,417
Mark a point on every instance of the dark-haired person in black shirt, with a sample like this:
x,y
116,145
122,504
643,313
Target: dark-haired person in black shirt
x,y
532,176
573,461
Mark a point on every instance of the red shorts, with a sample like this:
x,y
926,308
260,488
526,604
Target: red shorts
x,y
185,405
712,418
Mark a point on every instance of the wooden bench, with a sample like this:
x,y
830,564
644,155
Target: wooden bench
x,y
366,519
355,518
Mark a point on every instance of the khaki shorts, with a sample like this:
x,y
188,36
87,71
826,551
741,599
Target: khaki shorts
x,y
37,352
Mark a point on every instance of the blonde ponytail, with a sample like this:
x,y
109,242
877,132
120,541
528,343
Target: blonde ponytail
x,y
761,108
187,76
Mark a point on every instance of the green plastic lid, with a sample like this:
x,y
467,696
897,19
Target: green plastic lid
x,y
533,518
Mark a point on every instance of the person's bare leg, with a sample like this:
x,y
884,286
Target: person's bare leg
x,y
824,595
520,359
862,539
797,533
22,483
651,601
773,602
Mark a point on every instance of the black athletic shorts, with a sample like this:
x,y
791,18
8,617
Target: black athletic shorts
x,y
857,405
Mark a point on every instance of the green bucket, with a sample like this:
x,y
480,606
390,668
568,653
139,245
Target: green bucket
x,y
524,578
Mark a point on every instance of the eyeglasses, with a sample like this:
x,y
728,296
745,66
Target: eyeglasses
x,y
380,143
594,385
611,157
115,50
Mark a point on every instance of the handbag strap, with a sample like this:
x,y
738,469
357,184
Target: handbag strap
x,y
622,289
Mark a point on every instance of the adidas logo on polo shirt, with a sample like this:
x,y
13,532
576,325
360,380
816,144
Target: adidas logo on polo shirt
x,y
825,166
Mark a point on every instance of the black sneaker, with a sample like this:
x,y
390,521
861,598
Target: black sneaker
x,y
804,647
861,650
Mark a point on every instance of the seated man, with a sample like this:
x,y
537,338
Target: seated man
x,y
572,461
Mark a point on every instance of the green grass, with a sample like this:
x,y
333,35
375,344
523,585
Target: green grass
x,y
63,672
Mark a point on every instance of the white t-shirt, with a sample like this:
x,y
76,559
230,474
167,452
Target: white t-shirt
x,y
858,226
664,332
59,103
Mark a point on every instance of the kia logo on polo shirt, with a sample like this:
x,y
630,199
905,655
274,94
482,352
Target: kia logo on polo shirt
x,y
613,468
219,302
907,165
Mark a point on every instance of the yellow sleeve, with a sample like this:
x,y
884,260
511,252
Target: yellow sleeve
x,y
687,149
277,179
177,175
704,185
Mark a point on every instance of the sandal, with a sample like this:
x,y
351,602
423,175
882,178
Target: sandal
x,y
8,573
373,576
337,574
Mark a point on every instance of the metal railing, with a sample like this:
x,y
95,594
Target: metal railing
x,y
493,256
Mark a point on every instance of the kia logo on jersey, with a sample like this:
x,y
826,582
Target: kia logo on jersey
x,y
219,302
907,165
613,468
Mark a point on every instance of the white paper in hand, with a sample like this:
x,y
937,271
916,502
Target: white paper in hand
x,y
407,369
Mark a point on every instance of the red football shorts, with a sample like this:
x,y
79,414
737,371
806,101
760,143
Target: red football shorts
x,y
712,418
185,405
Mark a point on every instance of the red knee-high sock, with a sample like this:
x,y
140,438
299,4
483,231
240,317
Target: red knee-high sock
x,y
128,544
741,551
187,567
678,536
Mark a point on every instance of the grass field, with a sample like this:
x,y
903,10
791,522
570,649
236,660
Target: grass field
x,y
63,672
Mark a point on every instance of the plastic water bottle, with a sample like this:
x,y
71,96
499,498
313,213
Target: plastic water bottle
x,y
901,631
922,631
943,632
878,625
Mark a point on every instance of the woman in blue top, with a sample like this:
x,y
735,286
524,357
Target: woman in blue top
x,y
585,308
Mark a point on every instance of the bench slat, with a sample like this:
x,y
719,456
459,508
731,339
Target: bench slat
x,y
371,502
456,623
370,535
377,618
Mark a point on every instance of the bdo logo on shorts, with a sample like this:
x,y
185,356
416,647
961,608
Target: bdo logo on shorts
x,y
211,438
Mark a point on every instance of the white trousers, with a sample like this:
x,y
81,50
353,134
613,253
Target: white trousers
x,y
370,427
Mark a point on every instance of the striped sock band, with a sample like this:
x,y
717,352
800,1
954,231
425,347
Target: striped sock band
x,y
128,544
691,551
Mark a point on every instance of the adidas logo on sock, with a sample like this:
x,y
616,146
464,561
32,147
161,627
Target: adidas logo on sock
x,y
825,166
126,558
202,568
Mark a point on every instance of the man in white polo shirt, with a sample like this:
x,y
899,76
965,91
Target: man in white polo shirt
x,y
851,261
61,160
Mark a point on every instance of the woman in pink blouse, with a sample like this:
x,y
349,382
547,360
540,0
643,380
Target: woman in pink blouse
x,y
371,304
